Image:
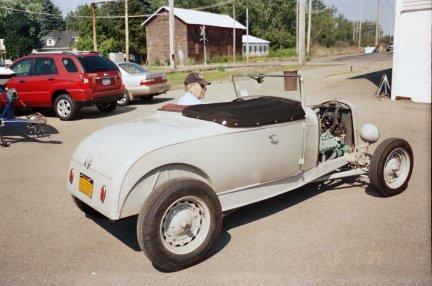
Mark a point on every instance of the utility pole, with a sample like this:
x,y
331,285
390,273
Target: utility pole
x,y
354,31
93,5
127,29
309,27
234,32
247,35
360,24
302,24
377,24
297,27
204,39
171,33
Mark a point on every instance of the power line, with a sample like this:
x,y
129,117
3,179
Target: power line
x,y
113,16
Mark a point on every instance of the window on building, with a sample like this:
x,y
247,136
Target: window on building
x,y
250,49
255,49
244,49
260,49
50,42
265,48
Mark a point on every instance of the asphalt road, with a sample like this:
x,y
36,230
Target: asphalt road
x,y
340,234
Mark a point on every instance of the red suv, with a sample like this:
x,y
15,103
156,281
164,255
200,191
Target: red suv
x,y
67,81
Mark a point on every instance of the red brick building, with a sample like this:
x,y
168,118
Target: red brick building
x,y
188,23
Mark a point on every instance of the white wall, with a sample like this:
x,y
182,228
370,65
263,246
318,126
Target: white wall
x,y
257,53
412,53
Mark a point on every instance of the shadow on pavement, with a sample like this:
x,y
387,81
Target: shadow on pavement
x,y
375,77
125,229
93,112
155,100
21,133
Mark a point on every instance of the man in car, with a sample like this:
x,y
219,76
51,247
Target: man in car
x,y
195,88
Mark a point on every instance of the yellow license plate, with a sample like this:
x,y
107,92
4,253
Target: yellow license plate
x,y
86,185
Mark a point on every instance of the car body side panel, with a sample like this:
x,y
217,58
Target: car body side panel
x,y
283,150
234,160
228,159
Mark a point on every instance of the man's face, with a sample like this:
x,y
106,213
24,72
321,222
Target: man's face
x,y
198,90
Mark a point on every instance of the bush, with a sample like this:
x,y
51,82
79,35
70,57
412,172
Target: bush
x,y
218,59
283,53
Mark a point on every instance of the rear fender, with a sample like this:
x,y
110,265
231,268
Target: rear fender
x,y
140,191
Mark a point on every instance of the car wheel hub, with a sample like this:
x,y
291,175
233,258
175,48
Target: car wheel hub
x,y
185,225
396,168
64,107
123,99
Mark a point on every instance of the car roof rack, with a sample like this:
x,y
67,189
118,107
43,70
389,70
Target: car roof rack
x,y
64,52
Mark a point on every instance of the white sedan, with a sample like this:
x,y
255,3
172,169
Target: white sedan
x,y
141,83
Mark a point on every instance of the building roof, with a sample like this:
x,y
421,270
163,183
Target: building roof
x,y
193,17
254,40
64,39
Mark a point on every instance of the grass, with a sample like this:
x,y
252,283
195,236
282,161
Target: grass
x,y
176,79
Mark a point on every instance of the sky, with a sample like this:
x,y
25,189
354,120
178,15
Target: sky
x,y
349,8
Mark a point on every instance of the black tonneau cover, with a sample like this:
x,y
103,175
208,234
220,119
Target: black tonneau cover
x,y
249,112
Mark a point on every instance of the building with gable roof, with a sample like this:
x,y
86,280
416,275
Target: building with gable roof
x,y
257,47
58,41
187,41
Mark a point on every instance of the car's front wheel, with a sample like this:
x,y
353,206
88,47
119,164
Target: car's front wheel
x,y
179,223
107,107
391,166
64,107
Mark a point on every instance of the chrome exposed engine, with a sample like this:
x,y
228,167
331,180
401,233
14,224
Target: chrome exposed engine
x,y
336,129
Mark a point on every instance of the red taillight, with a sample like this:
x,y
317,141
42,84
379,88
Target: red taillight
x,y
148,81
102,194
71,175
85,79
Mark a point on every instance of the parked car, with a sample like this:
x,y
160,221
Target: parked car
x,y
141,83
67,81
181,168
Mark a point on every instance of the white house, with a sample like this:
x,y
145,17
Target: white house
x,y
411,78
257,46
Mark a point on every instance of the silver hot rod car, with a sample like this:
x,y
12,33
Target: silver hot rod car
x,y
182,168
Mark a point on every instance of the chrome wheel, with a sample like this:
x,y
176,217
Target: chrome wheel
x,y
185,225
397,168
64,108
122,100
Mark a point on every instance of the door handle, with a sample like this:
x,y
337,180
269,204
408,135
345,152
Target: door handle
x,y
51,78
22,81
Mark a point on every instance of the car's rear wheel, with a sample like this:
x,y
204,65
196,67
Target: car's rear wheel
x,y
179,223
87,209
125,100
391,167
146,98
107,107
64,107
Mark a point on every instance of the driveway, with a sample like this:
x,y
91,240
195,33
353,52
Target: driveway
x,y
342,233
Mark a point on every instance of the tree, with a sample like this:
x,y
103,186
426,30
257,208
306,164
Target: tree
x,y
28,31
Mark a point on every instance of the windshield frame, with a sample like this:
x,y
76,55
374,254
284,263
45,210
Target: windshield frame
x,y
260,78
